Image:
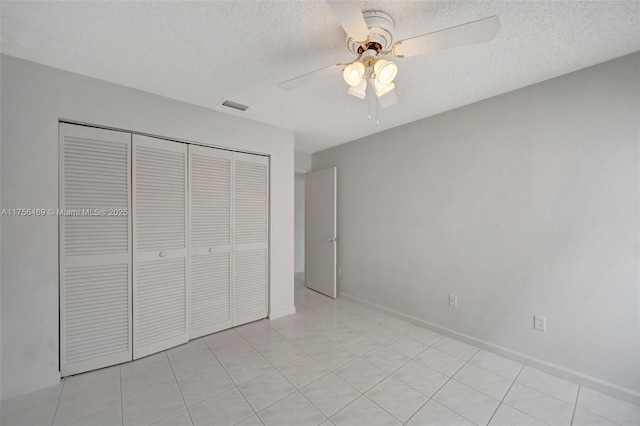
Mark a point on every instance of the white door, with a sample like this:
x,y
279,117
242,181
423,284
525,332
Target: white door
x,y
160,245
210,252
95,248
250,238
320,231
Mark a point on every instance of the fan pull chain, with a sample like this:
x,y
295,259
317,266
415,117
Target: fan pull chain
x,y
367,89
377,112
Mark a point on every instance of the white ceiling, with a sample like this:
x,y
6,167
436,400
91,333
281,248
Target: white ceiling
x,y
203,52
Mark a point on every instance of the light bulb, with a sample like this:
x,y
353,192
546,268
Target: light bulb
x,y
385,71
353,73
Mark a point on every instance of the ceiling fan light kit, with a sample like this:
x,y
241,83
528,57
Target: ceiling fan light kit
x,y
353,73
381,73
385,71
370,37
359,91
382,89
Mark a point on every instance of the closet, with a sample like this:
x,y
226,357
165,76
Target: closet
x,y
160,242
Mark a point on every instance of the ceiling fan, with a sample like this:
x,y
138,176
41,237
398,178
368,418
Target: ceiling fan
x,y
370,37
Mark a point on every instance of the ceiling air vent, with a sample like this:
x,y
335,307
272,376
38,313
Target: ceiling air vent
x,y
235,105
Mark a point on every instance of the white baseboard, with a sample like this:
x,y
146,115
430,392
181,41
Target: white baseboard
x,y
24,384
282,312
556,370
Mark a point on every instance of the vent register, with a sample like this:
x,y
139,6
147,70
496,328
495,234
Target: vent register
x,y
234,105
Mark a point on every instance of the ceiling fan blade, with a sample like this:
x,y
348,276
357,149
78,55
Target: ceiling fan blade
x,y
309,77
461,35
350,17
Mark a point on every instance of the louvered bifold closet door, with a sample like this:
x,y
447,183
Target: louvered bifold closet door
x,y
95,248
250,237
160,262
210,238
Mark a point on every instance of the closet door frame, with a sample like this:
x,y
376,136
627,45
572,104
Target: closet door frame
x,y
152,142
93,260
133,257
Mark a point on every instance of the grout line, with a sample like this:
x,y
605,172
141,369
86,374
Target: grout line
x,y
443,385
550,396
162,419
156,365
249,416
603,418
498,374
287,379
420,408
262,374
188,354
332,372
447,408
146,392
381,407
343,408
575,406
58,404
179,389
31,406
422,365
394,371
94,412
388,412
84,373
466,362
91,414
505,394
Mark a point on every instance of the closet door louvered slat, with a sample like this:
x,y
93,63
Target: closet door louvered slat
x,y
210,239
160,262
95,249
250,237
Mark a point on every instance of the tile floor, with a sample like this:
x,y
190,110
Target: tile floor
x,y
332,363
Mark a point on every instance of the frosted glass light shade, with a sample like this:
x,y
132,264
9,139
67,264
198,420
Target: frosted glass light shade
x,y
382,89
385,71
353,73
359,91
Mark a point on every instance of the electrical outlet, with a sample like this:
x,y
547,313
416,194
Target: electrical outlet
x,y
453,300
539,323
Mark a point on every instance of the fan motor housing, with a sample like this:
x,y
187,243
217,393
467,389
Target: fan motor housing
x,y
380,27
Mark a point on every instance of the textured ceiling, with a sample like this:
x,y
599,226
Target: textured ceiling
x,y
203,52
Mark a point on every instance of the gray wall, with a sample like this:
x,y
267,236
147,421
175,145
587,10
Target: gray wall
x,y
302,162
302,166
299,222
522,204
1,206
34,98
